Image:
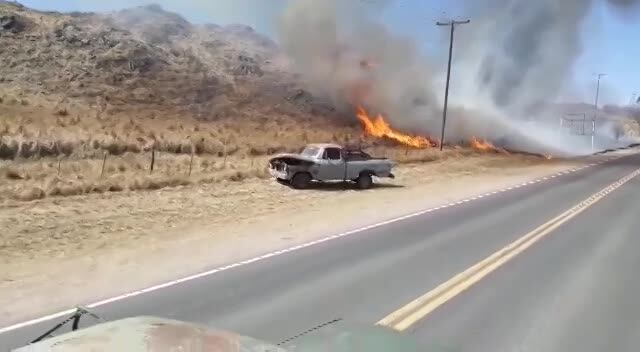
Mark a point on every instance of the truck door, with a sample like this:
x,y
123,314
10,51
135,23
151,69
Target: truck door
x,y
332,167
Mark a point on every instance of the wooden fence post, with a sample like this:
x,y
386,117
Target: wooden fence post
x,y
104,161
153,158
224,161
191,161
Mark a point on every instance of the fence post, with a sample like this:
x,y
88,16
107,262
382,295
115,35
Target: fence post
x,y
59,161
104,161
191,161
224,161
153,158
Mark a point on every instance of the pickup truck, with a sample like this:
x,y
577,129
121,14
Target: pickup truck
x,y
329,162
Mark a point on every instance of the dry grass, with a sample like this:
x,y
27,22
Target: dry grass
x,y
35,179
28,132
27,180
39,159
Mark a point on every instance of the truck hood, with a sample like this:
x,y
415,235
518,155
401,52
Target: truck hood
x,y
153,334
150,334
351,337
285,156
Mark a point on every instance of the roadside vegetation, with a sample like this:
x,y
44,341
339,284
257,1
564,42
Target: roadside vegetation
x,y
66,150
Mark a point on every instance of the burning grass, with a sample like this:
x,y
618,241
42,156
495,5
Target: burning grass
x,y
380,128
483,145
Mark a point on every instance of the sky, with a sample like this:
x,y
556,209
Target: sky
x,y
610,41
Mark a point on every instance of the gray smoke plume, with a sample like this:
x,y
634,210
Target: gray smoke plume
x,y
358,62
514,57
526,49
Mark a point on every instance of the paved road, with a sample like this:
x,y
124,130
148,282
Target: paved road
x,y
572,291
577,290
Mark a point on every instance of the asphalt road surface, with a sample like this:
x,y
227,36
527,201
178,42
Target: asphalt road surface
x,y
575,289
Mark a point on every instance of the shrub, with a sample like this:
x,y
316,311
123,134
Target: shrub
x,y
29,194
62,112
13,174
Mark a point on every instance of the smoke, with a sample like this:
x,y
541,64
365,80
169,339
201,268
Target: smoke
x,y
358,62
526,49
514,58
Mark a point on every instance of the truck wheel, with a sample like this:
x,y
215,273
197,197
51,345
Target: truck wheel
x,y
301,180
364,181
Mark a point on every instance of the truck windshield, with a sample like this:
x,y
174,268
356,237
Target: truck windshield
x,y
311,151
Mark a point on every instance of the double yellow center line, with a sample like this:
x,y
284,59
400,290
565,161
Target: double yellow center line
x,y
419,308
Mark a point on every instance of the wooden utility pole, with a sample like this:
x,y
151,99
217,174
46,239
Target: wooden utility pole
x,y
452,24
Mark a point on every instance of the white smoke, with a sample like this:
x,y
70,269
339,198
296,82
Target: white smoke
x,y
514,57
356,61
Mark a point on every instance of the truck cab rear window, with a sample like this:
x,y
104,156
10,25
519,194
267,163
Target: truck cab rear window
x,y
332,154
357,156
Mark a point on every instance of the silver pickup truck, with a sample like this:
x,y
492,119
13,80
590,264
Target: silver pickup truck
x,y
329,162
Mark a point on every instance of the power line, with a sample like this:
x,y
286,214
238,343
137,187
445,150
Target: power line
x,y
451,24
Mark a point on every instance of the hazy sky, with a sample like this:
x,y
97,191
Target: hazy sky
x,y
610,43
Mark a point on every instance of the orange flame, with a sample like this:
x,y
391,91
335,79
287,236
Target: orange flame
x,y
378,127
483,145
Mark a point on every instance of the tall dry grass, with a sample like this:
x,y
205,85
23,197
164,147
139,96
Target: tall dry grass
x,y
27,179
35,179
35,131
57,150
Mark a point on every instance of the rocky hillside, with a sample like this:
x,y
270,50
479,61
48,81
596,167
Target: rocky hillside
x,y
99,69
143,55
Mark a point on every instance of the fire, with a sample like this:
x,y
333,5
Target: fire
x,y
483,145
380,128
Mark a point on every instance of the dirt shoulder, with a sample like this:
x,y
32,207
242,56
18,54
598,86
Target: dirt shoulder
x,y
80,246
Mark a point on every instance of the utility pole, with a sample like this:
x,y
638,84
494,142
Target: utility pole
x,y
452,24
600,75
595,113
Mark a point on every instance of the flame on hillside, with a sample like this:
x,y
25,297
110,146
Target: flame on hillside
x,y
378,127
483,145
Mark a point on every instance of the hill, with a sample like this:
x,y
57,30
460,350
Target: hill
x,y
142,99
124,80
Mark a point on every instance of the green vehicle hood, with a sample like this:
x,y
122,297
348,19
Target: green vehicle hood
x,y
152,334
350,337
149,334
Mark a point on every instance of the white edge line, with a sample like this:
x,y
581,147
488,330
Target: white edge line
x,y
37,320
259,258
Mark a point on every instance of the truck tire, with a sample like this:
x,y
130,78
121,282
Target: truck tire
x,y
364,181
301,180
